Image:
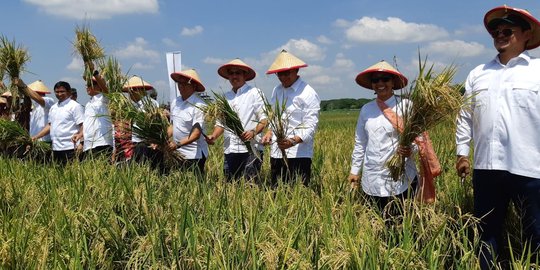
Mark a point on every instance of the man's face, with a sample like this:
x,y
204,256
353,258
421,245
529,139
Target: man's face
x,y
509,38
237,77
135,94
288,77
61,93
186,88
92,88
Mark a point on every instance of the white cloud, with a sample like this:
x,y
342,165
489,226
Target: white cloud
x,y
303,49
324,40
169,42
215,61
392,29
455,48
192,31
95,9
139,65
343,63
138,50
76,64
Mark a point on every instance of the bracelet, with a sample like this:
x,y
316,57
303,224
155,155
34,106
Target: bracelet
x,y
254,132
178,145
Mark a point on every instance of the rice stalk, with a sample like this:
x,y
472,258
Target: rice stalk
x,y
222,111
12,134
151,126
111,72
88,47
434,99
278,120
13,59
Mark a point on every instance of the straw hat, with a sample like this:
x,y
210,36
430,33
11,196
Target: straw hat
x,y
136,83
514,16
6,94
285,61
189,75
39,87
236,63
364,78
3,100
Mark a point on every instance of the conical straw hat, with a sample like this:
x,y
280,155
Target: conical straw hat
x,y
39,87
6,94
136,83
364,78
503,12
285,61
189,75
236,63
3,100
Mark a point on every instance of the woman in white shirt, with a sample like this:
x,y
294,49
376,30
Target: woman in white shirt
x,y
376,139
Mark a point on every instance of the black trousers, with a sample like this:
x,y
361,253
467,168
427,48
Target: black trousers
x,y
296,166
142,153
493,192
237,165
62,157
104,150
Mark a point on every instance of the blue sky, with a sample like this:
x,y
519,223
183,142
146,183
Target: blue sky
x,y
337,39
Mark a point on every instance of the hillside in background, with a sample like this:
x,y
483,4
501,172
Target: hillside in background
x,y
343,104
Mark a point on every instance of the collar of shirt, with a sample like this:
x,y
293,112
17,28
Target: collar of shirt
x,y
296,85
242,89
63,103
97,97
524,55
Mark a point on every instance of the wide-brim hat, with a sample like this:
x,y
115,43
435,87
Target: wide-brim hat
x,y
223,71
285,61
39,87
364,78
6,94
3,100
505,13
136,83
189,75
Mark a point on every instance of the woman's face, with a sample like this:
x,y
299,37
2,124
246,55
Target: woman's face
x,y
382,83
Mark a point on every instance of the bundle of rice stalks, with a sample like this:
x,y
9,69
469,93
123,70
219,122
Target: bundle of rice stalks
x,y
151,125
13,59
112,74
277,117
87,46
119,106
222,111
434,100
14,135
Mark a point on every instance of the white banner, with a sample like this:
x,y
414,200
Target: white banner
x,y
174,64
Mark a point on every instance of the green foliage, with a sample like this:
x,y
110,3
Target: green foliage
x,y
343,104
129,217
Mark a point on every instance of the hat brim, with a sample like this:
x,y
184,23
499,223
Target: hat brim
x,y
137,88
250,73
285,69
364,78
181,77
500,12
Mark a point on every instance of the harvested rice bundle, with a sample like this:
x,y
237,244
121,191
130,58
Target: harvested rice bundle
x,y
88,47
434,99
14,135
151,125
277,120
13,59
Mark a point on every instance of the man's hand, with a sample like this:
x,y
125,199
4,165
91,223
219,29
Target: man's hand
x,y
210,139
247,135
404,151
354,181
463,166
267,138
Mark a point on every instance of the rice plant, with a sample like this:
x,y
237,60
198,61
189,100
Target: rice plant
x,y
278,121
13,59
88,48
13,136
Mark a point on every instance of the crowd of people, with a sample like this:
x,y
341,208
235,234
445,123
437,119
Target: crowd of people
x,y
502,123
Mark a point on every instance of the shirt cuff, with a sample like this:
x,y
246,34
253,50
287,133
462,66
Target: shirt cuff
x,y
463,150
355,170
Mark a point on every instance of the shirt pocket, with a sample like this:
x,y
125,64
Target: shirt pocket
x,y
525,95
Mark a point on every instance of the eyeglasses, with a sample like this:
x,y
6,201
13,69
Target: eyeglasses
x,y
384,79
505,32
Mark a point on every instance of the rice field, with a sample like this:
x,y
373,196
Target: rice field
x,y
94,215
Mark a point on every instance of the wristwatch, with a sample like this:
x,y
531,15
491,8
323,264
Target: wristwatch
x,y
293,142
178,145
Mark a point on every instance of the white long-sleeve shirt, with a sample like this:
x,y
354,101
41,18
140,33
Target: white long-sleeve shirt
x,y
376,141
65,118
302,117
97,125
184,115
504,117
248,103
39,117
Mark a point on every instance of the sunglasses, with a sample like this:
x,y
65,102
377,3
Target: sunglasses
x,y
383,79
505,32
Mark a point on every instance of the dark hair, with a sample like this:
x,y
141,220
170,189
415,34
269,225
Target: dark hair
x,y
63,84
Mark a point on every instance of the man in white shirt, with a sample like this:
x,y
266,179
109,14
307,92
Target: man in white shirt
x,y
247,101
65,120
187,120
41,104
302,117
503,121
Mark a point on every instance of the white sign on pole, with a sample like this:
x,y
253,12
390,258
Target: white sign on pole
x,y
174,64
